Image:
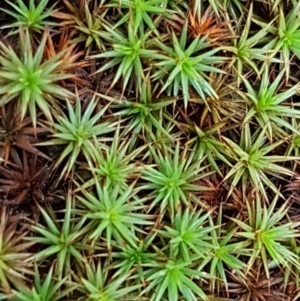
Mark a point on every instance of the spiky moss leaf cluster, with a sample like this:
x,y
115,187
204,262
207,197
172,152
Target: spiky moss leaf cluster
x,y
175,140
29,81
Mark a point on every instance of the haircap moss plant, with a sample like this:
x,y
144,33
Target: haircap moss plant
x,y
26,77
33,17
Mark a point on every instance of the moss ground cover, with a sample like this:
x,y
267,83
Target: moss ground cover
x,y
149,150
